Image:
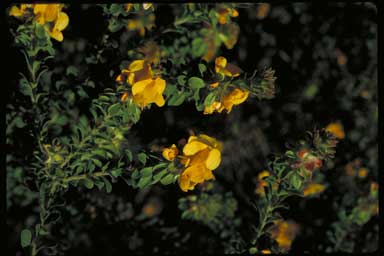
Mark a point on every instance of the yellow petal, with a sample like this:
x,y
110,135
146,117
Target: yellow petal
x,y
213,160
136,65
62,21
196,173
159,100
39,8
140,86
211,141
193,147
208,175
51,12
57,35
220,62
15,11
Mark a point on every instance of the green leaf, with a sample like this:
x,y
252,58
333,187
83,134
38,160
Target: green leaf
x,y
88,183
72,70
296,181
196,83
108,185
144,181
40,31
97,162
116,173
159,175
202,68
199,47
25,88
113,109
176,99
129,155
168,179
181,80
25,238
114,25
135,174
142,158
147,171
210,99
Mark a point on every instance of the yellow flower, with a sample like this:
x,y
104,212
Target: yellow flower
x,y
284,232
149,91
216,106
124,97
225,14
170,153
266,251
236,97
362,172
46,12
19,12
262,11
261,183
336,129
202,155
60,24
225,68
214,85
49,15
137,71
314,188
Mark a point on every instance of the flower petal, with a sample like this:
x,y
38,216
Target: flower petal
x,y
193,147
213,160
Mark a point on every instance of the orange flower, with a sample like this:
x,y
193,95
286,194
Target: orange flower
x,y
336,129
284,232
170,153
124,97
149,91
225,68
202,155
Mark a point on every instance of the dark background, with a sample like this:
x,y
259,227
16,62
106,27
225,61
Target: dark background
x,y
300,42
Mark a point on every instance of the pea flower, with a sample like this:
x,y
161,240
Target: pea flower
x,y
137,71
225,14
226,69
149,91
235,97
49,15
170,153
19,12
202,155
336,129
313,189
215,106
284,232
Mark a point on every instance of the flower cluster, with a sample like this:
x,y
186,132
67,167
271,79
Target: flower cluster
x,y
201,155
336,129
284,232
146,87
48,15
225,31
234,97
